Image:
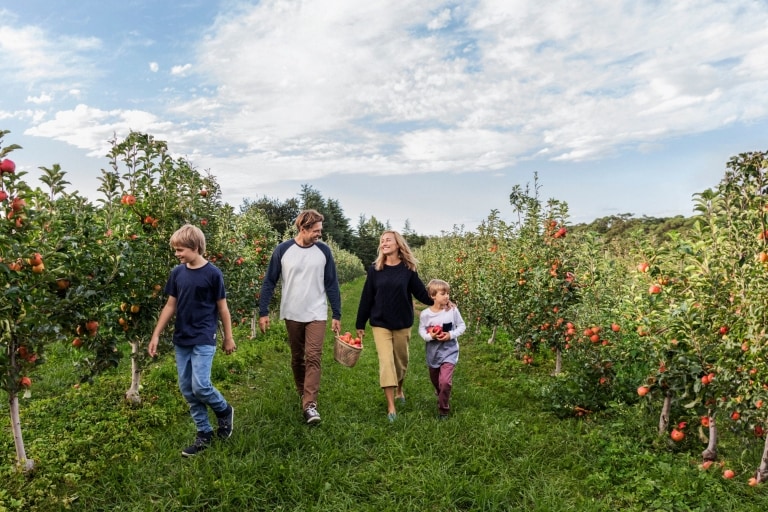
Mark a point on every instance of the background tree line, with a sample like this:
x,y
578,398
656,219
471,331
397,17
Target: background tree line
x,y
363,239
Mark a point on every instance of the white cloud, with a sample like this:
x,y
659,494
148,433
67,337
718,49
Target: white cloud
x,y
30,55
91,128
181,70
37,100
572,81
301,90
440,21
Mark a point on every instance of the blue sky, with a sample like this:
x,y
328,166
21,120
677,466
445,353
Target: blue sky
x,y
426,111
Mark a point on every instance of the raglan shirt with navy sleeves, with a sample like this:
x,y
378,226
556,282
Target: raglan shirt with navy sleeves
x,y
309,277
387,300
197,292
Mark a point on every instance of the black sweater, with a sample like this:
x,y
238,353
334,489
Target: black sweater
x,y
387,298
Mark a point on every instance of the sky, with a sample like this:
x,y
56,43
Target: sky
x,y
426,113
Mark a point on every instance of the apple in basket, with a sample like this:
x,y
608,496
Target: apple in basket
x,y
349,340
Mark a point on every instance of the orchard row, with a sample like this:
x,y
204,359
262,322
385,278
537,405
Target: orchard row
x,y
679,323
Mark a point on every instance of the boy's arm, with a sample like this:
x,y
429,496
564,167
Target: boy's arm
x,y
226,321
458,324
165,316
423,327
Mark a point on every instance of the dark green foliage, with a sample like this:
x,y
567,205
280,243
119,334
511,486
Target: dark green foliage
x,y
615,228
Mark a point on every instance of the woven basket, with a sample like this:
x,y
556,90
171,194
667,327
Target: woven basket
x,y
346,354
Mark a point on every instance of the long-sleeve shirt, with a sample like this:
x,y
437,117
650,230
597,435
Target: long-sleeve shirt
x,y
309,276
439,352
387,298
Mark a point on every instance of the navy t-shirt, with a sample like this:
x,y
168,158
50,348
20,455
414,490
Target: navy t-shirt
x,y
197,291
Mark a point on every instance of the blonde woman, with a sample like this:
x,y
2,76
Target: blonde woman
x,y
387,304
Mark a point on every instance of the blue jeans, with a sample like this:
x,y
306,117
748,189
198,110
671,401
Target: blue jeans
x,y
193,365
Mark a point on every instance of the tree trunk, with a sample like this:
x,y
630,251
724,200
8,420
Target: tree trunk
x,y
711,452
761,475
558,361
493,336
132,395
22,462
664,417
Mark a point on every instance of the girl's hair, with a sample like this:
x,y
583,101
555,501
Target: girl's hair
x,y
189,236
402,248
437,285
307,219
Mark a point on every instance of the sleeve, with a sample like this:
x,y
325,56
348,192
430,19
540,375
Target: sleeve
x,y
270,280
221,289
458,324
417,289
331,281
366,300
423,327
170,285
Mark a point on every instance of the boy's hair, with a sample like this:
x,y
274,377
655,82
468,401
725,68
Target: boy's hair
x,y
308,218
189,236
436,285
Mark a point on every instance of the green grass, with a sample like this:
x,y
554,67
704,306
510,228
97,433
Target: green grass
x,y
500,450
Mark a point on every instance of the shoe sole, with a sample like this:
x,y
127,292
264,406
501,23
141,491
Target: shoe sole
x,y
231,425
311,421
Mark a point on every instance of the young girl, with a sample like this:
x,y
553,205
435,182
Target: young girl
x,y
440,326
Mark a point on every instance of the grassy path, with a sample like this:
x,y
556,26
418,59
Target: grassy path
x,y
498,451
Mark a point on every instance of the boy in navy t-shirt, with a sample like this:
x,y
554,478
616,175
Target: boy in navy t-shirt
x,y
197,298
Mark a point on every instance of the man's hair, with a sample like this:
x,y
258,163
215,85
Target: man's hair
x,y
437,285
189,236
307,219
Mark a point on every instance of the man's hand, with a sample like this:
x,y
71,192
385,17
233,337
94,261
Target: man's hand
x,y
264,323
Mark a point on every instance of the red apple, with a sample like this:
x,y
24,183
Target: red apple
x,y
18,204
7,166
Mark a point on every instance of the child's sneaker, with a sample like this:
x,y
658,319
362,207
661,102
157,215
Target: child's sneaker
x,y
202,441
310,414
226,423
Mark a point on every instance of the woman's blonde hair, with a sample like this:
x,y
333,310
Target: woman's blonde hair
x,y
437,285
402,248
189,236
